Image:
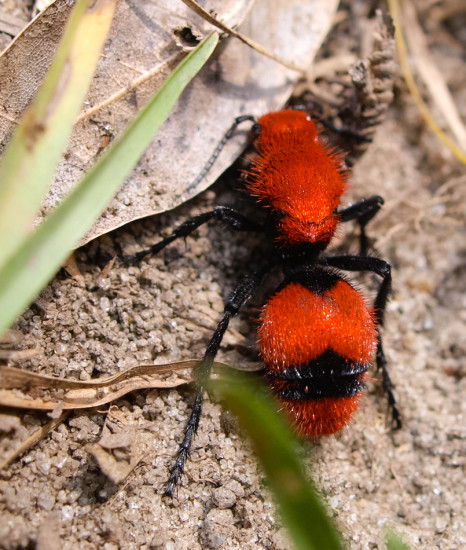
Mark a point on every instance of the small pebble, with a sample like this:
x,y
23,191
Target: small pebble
x,y
223,498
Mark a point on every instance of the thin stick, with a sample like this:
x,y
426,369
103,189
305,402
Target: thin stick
x,y
208,17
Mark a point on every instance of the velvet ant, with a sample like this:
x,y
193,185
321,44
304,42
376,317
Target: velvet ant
x,y
317,335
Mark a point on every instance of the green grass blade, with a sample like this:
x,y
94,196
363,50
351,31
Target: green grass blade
x,y
41,255
33,154
302,512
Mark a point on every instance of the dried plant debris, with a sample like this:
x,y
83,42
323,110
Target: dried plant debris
x,y
121,446
10,348
144,46
351,96
433,80
24,389
373,81
27,390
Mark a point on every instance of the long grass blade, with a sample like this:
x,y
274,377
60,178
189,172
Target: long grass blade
x,y
41,255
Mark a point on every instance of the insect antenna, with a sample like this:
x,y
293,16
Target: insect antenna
x,y
228,135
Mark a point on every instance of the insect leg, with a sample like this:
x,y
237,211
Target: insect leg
x,y
228,135
237,299
230,217
362,211
382,268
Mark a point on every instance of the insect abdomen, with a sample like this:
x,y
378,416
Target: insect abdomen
x,y
317,346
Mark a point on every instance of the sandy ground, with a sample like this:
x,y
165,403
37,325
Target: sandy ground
x,y
56,495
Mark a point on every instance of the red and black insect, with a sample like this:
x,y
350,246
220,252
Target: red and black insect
x,y
317,335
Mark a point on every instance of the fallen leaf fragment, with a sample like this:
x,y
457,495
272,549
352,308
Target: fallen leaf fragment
x,y
120,448
24,389
28,390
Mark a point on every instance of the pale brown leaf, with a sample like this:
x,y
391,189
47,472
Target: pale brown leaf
x,y
28,390
146,41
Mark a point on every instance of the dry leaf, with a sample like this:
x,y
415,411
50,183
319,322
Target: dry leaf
x,y
72,269
115,469
120,448
10,24
28,390
151,38
24,389
24,63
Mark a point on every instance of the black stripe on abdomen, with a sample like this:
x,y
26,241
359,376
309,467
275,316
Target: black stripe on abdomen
x,y
330,375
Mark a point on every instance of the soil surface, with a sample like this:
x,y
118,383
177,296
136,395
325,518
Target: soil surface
x,y
63,494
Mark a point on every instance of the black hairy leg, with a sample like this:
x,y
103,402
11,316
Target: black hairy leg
x,y
228,216
362,211
237,299
382,269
